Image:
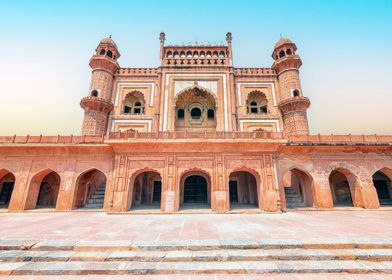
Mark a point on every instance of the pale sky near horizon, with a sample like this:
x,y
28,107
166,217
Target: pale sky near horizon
x,y
346,48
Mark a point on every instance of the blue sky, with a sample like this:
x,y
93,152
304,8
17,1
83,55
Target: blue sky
x,y
345,46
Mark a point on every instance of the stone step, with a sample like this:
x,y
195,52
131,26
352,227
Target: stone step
x,y
195,245
261,267
376,255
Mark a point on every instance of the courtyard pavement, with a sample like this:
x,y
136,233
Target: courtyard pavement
x,y
100,226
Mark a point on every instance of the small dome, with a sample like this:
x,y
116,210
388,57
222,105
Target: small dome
x,y
108,41
283,41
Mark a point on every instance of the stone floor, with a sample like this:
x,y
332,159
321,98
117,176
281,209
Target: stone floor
x,y
212,277
100,226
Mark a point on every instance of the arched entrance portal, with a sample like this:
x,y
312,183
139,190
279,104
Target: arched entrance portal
x,y
382,183
43,190
147,190
297,189
7,182
195,191
243,190
90,190
340,188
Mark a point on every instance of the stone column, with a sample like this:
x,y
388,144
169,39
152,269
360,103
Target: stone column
x,y
322,190
369,192
219,191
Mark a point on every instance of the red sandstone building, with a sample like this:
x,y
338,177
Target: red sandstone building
x,y
195,132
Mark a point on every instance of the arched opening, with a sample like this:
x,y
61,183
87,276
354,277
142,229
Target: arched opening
x,y
257,103
281,54
341,187
195,191
169,54
288,51
195,113
102,52
109,53
298,189
147,191
90,190
7,183
195,107
243,190
296,93
94,93
382,183
43,190
134,103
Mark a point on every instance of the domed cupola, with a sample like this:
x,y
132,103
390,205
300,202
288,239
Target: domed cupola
x,y
107,47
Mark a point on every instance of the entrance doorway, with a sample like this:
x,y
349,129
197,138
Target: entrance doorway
x,y
195,189
233,191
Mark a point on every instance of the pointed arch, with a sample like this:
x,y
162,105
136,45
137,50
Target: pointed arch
x,y
7,183
298,187
90,189
382,179
43,189
195,188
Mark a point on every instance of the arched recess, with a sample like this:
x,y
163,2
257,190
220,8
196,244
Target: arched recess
x,y
244,189
257,103
7,183
298,188
43,190
145,190
195,110
134,103
382,182
195,189
90,190
344,188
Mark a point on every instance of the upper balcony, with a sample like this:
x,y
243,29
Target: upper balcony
x,y
196,56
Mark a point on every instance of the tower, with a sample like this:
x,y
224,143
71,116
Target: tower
x,y
293,104
97,105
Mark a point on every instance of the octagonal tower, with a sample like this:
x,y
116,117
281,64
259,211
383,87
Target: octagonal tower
x,y
97,105
293,104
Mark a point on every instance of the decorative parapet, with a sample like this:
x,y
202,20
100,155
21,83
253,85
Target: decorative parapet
x,y
137,71
195,56
132,134
59,139
254,71
349,140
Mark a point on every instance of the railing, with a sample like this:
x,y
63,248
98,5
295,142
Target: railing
x,y
194,135
254,71
332,139
137,71
59,139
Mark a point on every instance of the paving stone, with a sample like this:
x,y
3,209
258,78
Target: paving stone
x,y
159,245
54,256
8,268
9,256
138,268
150,255
178,267
48,245
6,244
203,244
90,256
239,243
279,243
178,256
222,267
122,256
102,245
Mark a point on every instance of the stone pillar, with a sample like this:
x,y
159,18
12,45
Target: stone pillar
x,y
369,193
219,191
322,191
170,189
268,196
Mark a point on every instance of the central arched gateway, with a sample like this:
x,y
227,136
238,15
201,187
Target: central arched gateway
x,y
195,190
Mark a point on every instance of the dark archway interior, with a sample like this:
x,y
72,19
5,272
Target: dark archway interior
x,y
195,189
243,190
297,189
382,183
147,190
91,190
340,189
7,182
48,190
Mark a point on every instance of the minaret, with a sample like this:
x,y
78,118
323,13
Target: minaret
x,y
97,105
293,104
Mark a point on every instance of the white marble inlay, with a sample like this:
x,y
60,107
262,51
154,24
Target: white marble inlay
x,y
255,83
212,86
259,121
149,123
119,84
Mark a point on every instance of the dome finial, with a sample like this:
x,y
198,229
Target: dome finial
x,y
110,36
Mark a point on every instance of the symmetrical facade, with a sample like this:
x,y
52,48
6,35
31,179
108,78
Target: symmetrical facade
x,y
195,132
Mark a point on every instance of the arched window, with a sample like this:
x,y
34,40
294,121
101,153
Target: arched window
x,y
222,54
109,54
263,109
196,113
281,54
175,54
94,93
137,108
215,54
195,54
102,52
211,114
253,109
189,54
169,54
202,54
295,92
182,54
134,103
180,114
288,51
208,54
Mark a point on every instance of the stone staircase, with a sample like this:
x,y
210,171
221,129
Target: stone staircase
x,y
234,256
293,199
97,198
